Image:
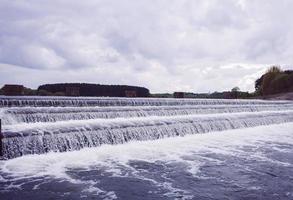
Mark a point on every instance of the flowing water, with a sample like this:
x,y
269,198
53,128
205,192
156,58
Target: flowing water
x,y
121,148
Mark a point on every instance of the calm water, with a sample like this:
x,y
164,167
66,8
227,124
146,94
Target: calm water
x,y
253,163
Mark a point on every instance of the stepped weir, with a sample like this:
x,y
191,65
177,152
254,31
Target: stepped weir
x,y
36,125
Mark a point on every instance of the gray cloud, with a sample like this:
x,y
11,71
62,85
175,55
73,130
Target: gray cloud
x,y
164,45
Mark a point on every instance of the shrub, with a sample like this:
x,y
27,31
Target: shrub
x,y
29,92
268,77
59,94
280,83
44,93
290,82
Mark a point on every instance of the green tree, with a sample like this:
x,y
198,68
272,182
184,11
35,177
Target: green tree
x,y
268,77
235,89
290,82
235,92
274,69
280,83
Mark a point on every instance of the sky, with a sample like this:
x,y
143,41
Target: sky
x,y
164,45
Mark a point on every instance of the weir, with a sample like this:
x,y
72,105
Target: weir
x,y
55,114
108,101
1,136
36,125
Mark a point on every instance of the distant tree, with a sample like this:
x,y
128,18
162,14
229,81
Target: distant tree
x,y
280,83
290,79
274,69
290,82
258,83
86,89
44,93
275,80
289,72
59,94
30,92
234,92
235,89
268,77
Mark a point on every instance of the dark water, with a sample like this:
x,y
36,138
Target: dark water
x,y
255,163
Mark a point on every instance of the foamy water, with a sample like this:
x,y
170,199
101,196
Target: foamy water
x,y
131,148
188,156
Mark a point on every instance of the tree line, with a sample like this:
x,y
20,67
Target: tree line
x,y
274,81
94,90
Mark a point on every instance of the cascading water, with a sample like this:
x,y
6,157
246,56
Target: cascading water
x,y
109,101
35,125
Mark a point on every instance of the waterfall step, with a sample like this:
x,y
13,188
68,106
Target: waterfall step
x,y
73,135
36,125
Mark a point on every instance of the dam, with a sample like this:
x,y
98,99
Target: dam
x,y
38,125
145,148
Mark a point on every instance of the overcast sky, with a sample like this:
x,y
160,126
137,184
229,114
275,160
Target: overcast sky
x,y
164,45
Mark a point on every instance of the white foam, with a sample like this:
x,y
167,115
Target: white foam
x,y
17,115
115,158
149,119
171,149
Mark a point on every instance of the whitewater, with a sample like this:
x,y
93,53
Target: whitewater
x,y
145,148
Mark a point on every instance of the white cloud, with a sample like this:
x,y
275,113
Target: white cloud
x,y
198,46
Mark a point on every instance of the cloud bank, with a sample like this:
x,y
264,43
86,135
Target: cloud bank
x,y
177,45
